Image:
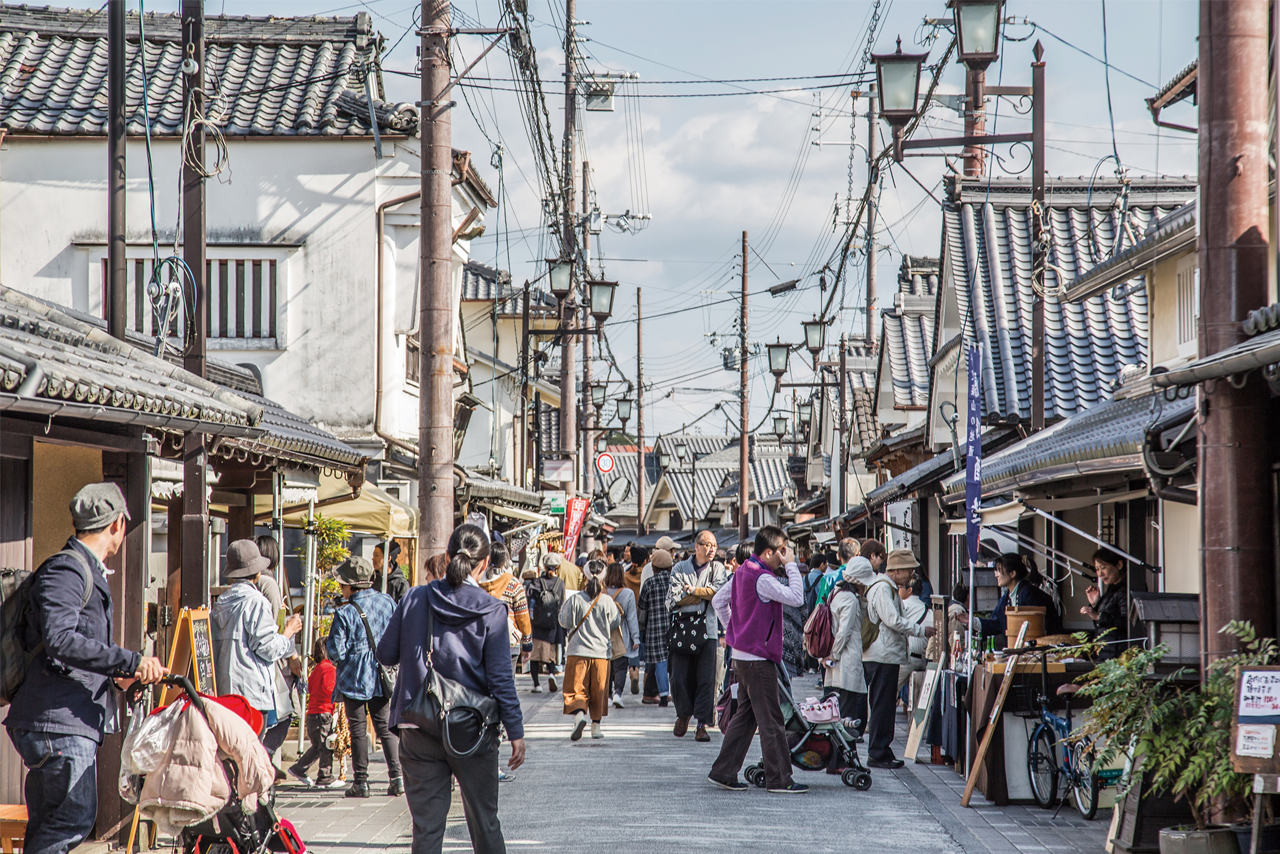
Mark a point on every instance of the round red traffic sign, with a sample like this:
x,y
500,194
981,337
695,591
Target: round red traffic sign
x,y
604,462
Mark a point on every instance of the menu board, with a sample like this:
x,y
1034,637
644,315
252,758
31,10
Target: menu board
x,y
1253,733
191,653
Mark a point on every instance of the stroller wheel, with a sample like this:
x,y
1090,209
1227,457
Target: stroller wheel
x,y
755,776
859,780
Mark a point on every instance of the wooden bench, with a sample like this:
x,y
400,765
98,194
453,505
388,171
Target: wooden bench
x,y
13,827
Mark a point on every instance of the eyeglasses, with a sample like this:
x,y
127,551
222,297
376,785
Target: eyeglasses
x,y
710,545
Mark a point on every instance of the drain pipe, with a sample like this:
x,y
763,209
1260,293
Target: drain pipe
x,y
378,392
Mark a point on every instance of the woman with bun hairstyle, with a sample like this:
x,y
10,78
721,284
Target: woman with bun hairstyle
x,y
471,646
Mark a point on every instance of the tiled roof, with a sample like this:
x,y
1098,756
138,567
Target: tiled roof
x,y
625,468
482,283
264,76
1165,237
51,363
769,472
288,436
987,238
1108,436
908,330
701,445
932,470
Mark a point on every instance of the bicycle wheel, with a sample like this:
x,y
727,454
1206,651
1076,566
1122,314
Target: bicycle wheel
x,y
1084,783
1042,767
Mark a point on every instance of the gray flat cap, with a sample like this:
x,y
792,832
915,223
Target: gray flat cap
x,y
355,571
97,505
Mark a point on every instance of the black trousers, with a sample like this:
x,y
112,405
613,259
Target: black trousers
x,y
274,738
380,711
319,728
618,674
693,682
853,704
428,769
758,705
882,692
540,667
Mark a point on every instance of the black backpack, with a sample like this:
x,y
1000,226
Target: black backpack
x,y
15,605
546,606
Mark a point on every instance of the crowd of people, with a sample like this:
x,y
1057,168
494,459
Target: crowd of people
x,y
680,629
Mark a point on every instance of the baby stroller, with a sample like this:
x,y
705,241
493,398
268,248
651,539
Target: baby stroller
x,y
818,744
233,830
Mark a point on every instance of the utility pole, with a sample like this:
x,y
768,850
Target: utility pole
x,y
435,405
568,251
642,467
118,299
975,121
744,481
1040,248
523,477
1235,526
842,422
873,202
195,508
586,448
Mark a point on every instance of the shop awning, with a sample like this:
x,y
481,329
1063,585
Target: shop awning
x,y
517,513
373,511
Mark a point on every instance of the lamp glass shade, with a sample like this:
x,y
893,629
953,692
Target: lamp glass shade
x,y
598,391
601,296
664,459
682,450
560,273
814,333
978,26
624,408
602,444
805,411
899,86
778,355
780,424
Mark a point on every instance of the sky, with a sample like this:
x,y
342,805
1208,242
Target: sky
x,y
724,158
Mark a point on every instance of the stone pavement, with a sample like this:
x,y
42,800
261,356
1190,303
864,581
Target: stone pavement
x,y
643,789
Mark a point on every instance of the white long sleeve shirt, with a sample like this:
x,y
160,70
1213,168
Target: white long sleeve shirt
x,y
769,589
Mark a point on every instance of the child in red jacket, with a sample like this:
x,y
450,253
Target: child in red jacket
x,y
320,687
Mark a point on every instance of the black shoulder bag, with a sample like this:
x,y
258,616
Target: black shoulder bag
x,y
450,711
386,675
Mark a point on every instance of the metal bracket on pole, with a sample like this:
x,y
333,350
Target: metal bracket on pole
x,y
435,31
1091,538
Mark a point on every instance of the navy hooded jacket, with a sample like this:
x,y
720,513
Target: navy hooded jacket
x,y
471,647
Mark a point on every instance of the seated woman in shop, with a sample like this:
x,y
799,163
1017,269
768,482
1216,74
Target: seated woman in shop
x,y
1020,588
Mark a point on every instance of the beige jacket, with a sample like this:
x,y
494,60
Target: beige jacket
x,y
191,785
846,646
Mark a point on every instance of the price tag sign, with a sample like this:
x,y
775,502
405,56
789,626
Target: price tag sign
x,y
1257,715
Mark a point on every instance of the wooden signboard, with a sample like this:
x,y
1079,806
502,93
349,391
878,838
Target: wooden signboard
x,y
1257,718
993,722
191,653
920,717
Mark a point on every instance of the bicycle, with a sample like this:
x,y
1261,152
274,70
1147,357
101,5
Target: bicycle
x,y
1055,760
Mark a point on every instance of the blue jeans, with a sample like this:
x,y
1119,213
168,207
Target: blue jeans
x,y
61,788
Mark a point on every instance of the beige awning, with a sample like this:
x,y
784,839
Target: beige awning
x,y
373,511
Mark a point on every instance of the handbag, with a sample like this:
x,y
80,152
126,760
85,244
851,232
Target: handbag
x,y
450,711
617,646
386,675
688,631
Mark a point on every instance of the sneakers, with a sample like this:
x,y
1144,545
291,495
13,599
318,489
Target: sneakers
x,y
681,727
595,730
701,734
732,786
579,724
330,784
505,776
664,702
358,790
793,789
617,701
300,777
537,689
551,684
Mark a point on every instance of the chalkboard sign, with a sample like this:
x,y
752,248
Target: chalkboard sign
x,y
1253,732
191,653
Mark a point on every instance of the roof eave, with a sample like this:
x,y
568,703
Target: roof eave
x,y
1132,262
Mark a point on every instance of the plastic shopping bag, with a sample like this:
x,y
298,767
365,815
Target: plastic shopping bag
x,y
146,744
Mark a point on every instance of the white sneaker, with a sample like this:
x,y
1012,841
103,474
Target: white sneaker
x,y
551,684
579,724
617,701
595,730
537,689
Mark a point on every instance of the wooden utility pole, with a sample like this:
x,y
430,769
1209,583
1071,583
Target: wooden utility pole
x,y
744,481
1040,257
117,293
839,475
568,251
1236,525
873,201
435,412
586,448
523,477
195,507
975,121
641,465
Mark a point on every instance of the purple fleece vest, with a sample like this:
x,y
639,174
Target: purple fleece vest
x,y
755,627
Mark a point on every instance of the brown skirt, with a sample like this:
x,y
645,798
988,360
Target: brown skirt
x,y
548,653
586,686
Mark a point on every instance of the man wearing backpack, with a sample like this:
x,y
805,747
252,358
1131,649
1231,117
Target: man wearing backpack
x,y
883,658
546,595
67,702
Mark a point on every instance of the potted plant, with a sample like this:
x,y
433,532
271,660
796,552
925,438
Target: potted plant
x,y
1182,734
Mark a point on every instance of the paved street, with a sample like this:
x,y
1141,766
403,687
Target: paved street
x,y
642,788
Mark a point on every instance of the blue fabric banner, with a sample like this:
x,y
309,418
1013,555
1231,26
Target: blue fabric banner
x,y
973,455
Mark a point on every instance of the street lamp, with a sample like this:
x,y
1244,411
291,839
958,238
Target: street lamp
x,y
664,458
805,411
560,274
681,450
814,333
978,31
780,426
624,411
598,391
898,76
602,444
778,355
600,294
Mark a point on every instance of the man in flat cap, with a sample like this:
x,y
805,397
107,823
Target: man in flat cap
x,y
353,636
66,704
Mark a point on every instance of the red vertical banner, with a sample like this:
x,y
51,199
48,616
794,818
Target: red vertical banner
x,y
575,514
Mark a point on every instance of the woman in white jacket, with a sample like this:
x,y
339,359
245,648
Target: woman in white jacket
x,y
843,675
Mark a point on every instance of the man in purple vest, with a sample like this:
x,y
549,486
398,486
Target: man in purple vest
x,y
750,606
